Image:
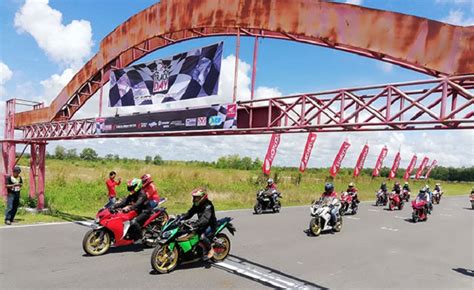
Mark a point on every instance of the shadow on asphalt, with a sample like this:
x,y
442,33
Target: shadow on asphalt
x,y
187,266
464,271
323,233
69,217
130,248
265,212
247,263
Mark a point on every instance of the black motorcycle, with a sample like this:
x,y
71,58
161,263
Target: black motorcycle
x,y
265,201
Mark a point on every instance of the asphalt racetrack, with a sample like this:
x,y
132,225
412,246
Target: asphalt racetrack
x,y
376,248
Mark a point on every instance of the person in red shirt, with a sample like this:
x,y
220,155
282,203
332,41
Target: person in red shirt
x,y
151,191
111,183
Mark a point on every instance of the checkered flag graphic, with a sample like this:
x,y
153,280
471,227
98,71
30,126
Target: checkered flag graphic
x,y
188,75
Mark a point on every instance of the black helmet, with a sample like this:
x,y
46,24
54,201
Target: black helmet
x,y
329,187
16,169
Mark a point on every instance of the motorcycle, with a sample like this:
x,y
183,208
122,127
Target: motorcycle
x,y
321,217
265,202
437,196
472,200
179,244
381,198
112,228
405,195
395,201
419,210
348,201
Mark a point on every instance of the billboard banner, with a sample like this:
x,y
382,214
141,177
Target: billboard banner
x,y
423,164
212,117
433,165
307,151
188,75
395,165
410,167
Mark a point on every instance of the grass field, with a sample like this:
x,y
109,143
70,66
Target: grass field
x,y
76,189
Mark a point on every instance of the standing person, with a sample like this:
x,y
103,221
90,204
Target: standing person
x,y
111,183
13,185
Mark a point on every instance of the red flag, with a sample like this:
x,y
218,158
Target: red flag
x,y
361,160
271,152
378,164
336,165
396,163
422,167
307,151
410,168
433,165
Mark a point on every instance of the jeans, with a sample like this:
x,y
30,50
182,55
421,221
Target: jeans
x,y
333,214
152,204
111,202
13,200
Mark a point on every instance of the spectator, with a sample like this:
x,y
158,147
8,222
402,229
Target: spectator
x,y
111,184
14,184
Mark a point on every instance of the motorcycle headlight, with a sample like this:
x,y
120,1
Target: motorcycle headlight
x,y
97,220
166,234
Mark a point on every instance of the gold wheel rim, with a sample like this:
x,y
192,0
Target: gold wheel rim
x,y
225,252
95,245
315,228
165,256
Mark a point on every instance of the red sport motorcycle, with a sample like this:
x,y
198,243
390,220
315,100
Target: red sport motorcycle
x,y
419,210
395,201
348,202
112,228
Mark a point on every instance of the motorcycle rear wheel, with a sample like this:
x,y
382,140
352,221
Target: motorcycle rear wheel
x,y
222,250
315,227
93,245
164,260
338,226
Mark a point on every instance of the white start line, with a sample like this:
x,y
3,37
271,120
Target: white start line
x,y
389,229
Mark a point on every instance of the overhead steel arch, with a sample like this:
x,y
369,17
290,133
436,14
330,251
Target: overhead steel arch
x,y
416,43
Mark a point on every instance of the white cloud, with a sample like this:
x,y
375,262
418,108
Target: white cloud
x,y
385,66
456,17
66,44
5,75
354,2
55,83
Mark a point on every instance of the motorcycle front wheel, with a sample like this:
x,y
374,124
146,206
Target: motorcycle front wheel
x,y
164,260
96,242
414,217
221,247
258,208
338,226
315,227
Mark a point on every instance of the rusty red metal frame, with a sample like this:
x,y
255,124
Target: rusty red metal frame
x,y
445,103
416,43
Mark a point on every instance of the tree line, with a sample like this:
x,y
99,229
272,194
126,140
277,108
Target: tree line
x,y
246,163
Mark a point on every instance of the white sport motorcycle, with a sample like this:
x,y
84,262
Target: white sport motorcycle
x,y
321,217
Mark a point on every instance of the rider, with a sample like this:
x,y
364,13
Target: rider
x,y
136,201
149,187
397,188
406,186
352,190
430,198
383,187
272,188
330,197
438,188
206,222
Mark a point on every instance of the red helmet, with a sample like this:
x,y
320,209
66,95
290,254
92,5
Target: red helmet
x,y
146,179
199,196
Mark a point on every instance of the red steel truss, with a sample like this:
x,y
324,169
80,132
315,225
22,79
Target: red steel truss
x,y
445,103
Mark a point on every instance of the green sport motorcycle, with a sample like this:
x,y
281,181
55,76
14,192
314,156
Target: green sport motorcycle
x,y
179,244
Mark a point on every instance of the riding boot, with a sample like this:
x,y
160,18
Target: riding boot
x,y
135,230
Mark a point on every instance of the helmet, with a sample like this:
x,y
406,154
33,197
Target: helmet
x,y
16,169
146,179
351,184
406,182
134,185
427,187
397,183
199,195
423,190
384,183
270,181
437,184
329,187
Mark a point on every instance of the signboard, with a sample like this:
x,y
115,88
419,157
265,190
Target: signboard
x,y
188,75
212,117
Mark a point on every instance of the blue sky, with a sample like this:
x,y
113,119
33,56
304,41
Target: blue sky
x,y
37,69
